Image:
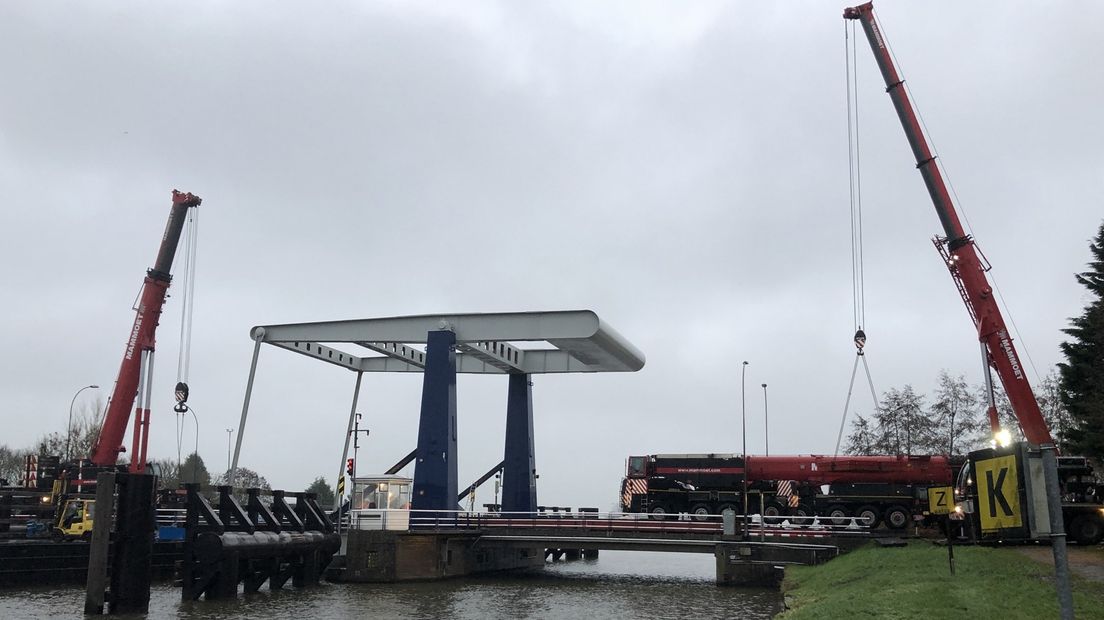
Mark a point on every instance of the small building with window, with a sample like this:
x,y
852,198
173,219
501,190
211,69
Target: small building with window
x,y
381,503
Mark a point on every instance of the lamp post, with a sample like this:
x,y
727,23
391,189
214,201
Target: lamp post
x,y
766,425
69,427
195,461
229,434
743,423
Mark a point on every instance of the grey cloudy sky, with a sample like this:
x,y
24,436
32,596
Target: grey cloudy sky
x,y
680,168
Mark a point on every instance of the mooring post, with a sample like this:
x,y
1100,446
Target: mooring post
x,y
133,548
519,474
127,570
96,582
435,486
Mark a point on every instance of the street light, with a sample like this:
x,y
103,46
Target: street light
x,y
183,408
69,427
229,434
743,421
766,426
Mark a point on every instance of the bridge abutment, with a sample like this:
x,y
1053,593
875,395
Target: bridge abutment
x,y
757,564
375,556
736,568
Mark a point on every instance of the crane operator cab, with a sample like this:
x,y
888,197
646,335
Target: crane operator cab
x,y
381,503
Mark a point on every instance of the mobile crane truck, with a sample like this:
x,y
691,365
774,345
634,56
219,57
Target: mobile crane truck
x,y
996,512
875,489
74,507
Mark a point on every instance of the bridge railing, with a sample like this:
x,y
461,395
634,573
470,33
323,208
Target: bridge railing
x,y
594,522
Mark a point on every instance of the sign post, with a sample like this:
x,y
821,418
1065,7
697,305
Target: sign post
x,y
940,502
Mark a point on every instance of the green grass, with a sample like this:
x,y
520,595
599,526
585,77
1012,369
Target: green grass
x,y
915,582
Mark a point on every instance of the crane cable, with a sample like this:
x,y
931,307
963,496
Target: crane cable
x,y
858,288
191,237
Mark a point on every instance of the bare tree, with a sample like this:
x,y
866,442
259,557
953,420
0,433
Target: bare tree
x,y
12,464
78,438
168,473
862,440
955,414
244,478
903,425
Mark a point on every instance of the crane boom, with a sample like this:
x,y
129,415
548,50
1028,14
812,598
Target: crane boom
x,y
958,249
137,365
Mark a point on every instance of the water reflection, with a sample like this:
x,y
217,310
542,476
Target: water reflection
x,y
617,585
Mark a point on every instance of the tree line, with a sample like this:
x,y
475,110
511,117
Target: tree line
x,y
953,420
80,437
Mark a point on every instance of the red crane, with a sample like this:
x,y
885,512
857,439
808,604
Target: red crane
x,y
959,252
968,271
136,370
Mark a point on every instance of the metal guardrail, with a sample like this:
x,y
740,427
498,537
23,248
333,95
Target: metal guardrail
x,y
171,516
597,522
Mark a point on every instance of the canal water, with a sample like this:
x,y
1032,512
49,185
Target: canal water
x,y
619,584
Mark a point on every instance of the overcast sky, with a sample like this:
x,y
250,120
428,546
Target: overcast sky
x,y
679,168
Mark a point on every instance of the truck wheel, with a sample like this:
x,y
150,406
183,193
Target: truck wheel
x,y
868,516
897,517
802,515
1087,530
658,513
837,515
57,536
772,509
700,512
86,536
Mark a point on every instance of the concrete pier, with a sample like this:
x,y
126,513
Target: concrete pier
x,y
386,556
751,564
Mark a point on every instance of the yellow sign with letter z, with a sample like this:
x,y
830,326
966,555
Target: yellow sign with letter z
x,y
940,500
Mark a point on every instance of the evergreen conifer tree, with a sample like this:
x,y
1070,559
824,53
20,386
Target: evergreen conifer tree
x,y
1082,374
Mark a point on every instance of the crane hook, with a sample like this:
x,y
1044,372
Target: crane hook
x,y
181,397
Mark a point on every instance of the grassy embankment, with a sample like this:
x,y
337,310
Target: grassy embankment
x,y
915,582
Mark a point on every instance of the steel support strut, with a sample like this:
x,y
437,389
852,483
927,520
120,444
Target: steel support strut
x,y
435,473
338,497
519,476
233,473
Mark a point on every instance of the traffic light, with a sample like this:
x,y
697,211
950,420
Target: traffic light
x,y
349,466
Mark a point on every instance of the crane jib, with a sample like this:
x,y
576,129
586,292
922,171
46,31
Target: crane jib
x,y
966,266
137,356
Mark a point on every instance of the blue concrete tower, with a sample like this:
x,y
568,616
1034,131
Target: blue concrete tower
x,y
435,464
519,474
